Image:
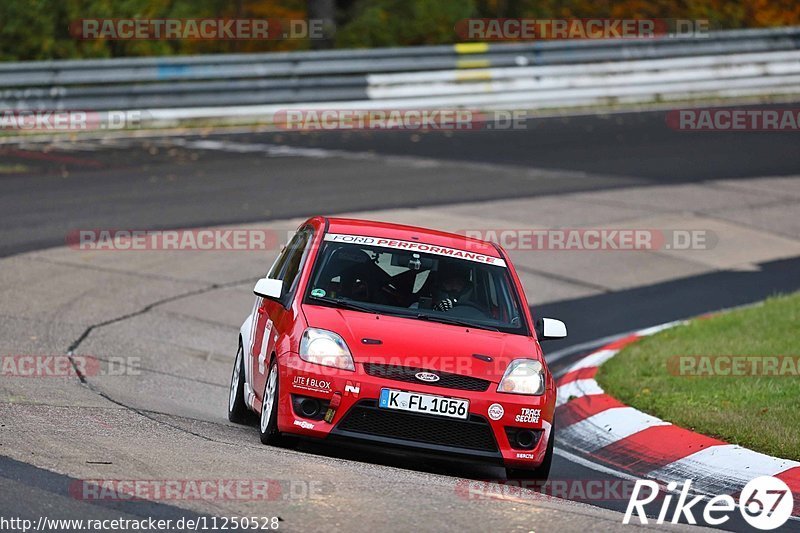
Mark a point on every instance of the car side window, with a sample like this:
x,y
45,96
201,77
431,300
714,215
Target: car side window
x,y
287,267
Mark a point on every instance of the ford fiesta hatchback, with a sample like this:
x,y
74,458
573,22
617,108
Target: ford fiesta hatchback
x,y
397,336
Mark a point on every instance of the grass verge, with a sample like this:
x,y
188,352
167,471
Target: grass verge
x,y
682,375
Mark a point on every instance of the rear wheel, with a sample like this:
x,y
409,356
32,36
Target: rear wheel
x,y
540,473
237,409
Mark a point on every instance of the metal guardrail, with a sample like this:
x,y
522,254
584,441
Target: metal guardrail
x,y
534,74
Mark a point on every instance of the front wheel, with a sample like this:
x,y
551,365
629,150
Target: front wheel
x,y
237,409
268,426
540,473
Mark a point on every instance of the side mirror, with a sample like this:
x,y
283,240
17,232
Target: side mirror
x,y
268,288
550,328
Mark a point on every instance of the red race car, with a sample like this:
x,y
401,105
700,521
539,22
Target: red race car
x,y
397,336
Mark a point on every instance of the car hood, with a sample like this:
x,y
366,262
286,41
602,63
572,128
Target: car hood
x,y
421,344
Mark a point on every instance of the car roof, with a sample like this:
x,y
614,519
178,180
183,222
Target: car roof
x,y
371,228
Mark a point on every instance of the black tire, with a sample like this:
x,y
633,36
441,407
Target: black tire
x,y
238,412
540,473
268,429
268,423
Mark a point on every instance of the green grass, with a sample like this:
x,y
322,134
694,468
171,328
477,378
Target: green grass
x,y
12,169
758,412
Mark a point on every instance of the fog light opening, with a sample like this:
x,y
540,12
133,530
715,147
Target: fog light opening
x,y
309,407
526,438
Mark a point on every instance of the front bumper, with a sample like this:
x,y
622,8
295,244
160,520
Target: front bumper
x,y
490,432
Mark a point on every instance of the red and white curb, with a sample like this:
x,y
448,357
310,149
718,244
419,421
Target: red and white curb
x,y
601,428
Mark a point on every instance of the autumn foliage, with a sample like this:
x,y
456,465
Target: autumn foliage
x,y
40,29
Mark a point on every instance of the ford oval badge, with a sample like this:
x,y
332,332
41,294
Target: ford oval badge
x,y
428,377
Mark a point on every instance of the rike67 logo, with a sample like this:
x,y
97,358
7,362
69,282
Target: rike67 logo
x,y
765,503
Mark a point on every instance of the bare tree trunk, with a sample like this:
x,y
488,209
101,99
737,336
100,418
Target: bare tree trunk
x,y
324,11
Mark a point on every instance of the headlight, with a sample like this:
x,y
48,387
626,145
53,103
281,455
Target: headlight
x,y
523,376
325,348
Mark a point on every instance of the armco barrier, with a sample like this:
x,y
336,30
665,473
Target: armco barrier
x,y
518,75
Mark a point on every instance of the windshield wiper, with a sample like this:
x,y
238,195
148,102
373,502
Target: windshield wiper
x,y
346,304
453,321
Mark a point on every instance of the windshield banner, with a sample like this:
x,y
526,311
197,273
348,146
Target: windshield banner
x,y
415,247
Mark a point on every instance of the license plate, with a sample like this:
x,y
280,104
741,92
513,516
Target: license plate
x,y
424,403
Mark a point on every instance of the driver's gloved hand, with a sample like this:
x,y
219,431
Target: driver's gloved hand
x,y
445,305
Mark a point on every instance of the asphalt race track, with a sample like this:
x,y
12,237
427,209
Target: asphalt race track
x,y
174,416
196,181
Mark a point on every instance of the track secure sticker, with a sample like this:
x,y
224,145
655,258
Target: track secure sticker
x,y
528,416
318,293
496,411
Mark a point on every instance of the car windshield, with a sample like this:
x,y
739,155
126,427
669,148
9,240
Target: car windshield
x,y
435,287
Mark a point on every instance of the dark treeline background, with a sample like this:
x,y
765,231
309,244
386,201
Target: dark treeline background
x,y
39,29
